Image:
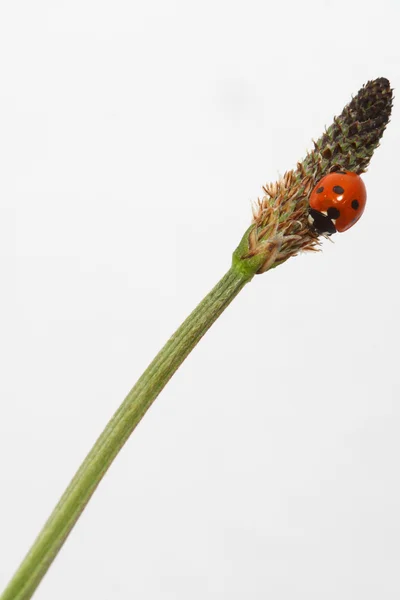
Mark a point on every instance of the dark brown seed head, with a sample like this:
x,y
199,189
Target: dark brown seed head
x,y
354,135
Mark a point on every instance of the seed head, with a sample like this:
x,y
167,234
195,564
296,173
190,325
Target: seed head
x,y
280,226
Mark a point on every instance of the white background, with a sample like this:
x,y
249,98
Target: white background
x,y
133,138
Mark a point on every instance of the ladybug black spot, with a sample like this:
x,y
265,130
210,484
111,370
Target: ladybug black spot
x,y
333,213
338,189
355,204
320,190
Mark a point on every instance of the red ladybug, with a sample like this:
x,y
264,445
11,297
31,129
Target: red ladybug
x,y
337,202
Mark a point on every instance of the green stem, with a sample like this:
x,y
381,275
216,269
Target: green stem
x,y
77,495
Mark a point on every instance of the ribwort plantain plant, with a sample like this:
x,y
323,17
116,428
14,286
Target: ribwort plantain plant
x,y
280,229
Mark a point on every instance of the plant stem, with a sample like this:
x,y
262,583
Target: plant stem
x,y
77,495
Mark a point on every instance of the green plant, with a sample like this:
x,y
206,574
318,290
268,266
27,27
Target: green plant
x,y
279,230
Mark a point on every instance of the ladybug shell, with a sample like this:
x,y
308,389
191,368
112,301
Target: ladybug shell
x,y
341,196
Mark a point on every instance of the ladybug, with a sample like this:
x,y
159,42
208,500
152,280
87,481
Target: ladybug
x,y
337,202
